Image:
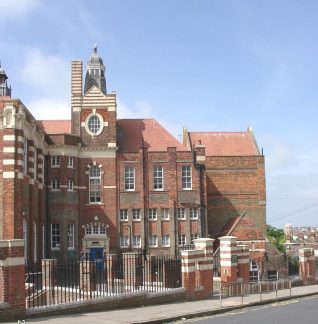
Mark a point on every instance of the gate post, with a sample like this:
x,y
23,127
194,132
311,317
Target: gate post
x,y
243,263
307,266
12,279
228,259
206,265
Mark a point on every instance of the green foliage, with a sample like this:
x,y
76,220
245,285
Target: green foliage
x,y
277,237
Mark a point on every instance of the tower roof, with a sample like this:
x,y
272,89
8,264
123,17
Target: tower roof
x,y
95,72
5,91
95,59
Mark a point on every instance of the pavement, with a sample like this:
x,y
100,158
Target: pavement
x,y
177,311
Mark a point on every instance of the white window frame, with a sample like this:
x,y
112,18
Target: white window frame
x,y
153,241
124,241
95,229
136,214
55,236
70,185
35,165
186,177
165,240
70,162
55,184
136,241
101,124
95,180
193,237
70,239
129,178
194,213
181,215
35,245
158,177
99,229
152,214
25,156
182,239
123,215
88,230
55,161
165,213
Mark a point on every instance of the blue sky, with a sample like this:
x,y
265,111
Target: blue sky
x,y
208,65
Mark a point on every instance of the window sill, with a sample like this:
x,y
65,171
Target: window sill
x,y
123,220
95,204
136,220
152,220
187,189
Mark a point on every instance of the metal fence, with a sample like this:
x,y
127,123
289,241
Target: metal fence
x,y
55,282
244,289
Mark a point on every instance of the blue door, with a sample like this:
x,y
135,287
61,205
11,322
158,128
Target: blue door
x,y
96,254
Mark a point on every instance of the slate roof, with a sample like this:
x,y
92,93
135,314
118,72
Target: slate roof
x,y
226,143
135,133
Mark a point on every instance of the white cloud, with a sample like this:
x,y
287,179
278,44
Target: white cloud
x,y
141,109
278,154
48,79
11,9
48,74
50,108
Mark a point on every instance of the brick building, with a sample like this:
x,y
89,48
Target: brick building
x,y
96,183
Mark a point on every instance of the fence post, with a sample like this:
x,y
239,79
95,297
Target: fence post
x,y
220,295
12,280
276,288
289,282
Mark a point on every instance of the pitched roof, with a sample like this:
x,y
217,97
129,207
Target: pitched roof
x,y
55,126
226,143
135,133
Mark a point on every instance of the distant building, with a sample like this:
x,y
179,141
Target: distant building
x,y
300,237
97,184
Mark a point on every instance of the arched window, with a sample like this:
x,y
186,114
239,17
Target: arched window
x,y
94,184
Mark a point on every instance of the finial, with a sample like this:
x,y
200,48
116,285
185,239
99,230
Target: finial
x,y
95,48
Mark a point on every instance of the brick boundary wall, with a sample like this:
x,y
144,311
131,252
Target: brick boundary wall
x,y
134,299
12,281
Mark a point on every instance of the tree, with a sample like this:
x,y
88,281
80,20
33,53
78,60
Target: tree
x,y
277,237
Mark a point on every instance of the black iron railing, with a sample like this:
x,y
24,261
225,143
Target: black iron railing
x,y
55,282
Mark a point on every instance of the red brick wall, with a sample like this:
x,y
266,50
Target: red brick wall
x,y
235,184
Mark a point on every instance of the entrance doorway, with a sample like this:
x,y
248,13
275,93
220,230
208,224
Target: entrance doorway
x,y
97,255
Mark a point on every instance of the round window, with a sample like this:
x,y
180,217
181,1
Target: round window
x,y
94,124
